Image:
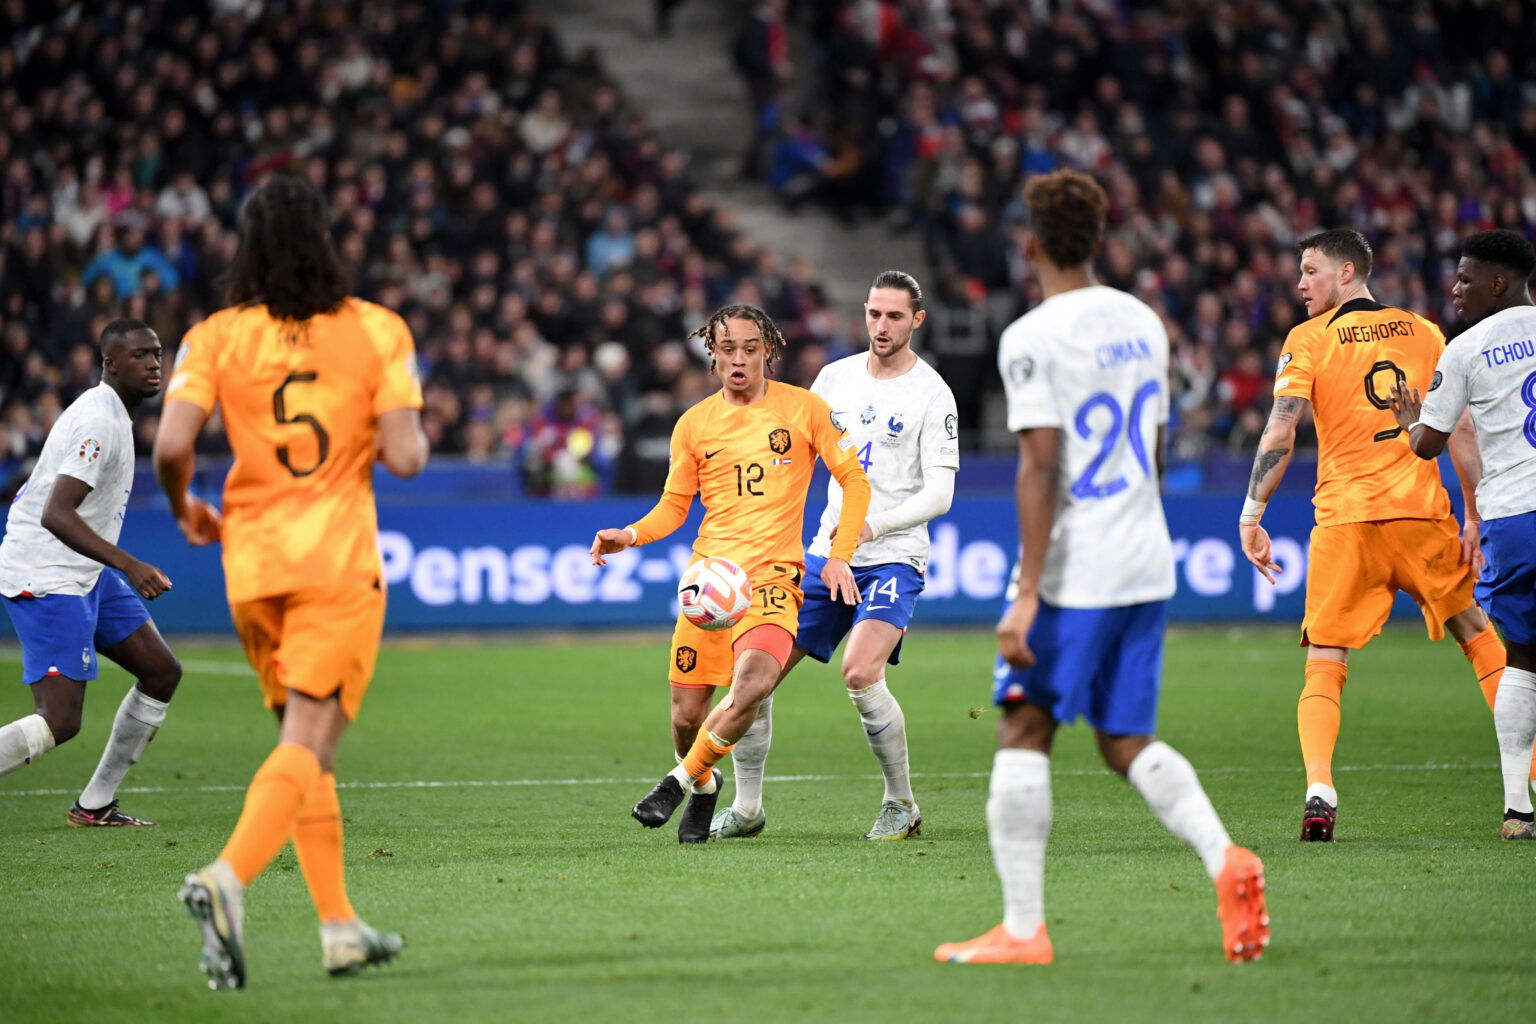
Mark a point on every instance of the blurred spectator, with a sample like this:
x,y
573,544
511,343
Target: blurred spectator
x,y
546,250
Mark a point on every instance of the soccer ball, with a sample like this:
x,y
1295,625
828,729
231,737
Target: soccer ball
x,y
714,593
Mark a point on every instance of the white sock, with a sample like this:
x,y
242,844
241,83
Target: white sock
x,y
1328,793
1167,782
886,729
689,786
139,717
1018,822
24,741
1514,719
748,757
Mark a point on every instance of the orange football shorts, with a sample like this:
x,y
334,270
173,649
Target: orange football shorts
x,y
322,643
1356,569
703,658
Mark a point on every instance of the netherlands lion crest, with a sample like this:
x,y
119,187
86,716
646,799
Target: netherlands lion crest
x,y
686,659
778,440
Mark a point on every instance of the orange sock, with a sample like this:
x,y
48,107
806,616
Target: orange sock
x,y
1317,717
271,805
317,839
1486,654
706,752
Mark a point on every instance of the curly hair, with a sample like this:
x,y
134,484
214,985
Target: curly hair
x,y
1066,213
765,325
1345,245
286,258
1502,248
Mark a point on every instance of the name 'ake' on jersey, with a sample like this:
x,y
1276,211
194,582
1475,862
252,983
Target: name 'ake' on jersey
x,y
1492,369
900,426
1093,363
92,442
1345,362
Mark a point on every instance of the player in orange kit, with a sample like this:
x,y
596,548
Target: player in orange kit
x,y
314,386
1384,521
748,452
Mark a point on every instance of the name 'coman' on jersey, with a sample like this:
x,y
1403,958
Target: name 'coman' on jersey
x,y
1093,363
1345,362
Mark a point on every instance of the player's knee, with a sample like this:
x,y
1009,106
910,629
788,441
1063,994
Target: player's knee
x,y
63,722
861,677
161,681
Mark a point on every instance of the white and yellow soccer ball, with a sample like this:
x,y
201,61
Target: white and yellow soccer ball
x,y
714,593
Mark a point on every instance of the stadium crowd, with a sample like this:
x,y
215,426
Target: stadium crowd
x,y
551,254
1222,129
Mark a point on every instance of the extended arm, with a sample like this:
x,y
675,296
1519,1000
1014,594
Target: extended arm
x,y
61,517
175,460
837,574
1274,455
1427,443
664,517
1035,489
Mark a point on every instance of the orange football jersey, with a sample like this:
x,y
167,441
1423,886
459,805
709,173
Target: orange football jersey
x,y
751,467
300,403
1345,362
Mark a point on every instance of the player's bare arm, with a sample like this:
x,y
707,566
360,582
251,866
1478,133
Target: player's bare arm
x,y
175,459
1035,489
610,542
403,445
1274,455
1468,463
61,518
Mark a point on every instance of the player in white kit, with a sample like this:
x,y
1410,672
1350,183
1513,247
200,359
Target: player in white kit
x,y
1086,375
901,415
61,532
1491,368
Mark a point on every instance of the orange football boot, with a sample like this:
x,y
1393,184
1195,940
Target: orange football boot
x,y
999,946
1240,905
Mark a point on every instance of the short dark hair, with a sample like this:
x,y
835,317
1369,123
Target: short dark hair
x,y
741,311
1503,248
903,281
121,328
1066,214
1343,244
286,259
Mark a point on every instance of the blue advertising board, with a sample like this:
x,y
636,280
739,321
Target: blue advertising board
x,y
514,564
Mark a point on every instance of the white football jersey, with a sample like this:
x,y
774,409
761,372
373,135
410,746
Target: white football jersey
x,y
1093,362
900,426
92,441
1492,368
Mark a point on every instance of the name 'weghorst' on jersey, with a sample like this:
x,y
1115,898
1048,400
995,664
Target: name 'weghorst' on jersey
x,y
1093,363
93,442
899,426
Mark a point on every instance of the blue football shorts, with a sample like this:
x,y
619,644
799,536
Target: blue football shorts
x,y
1507,587
61,633
889,593
1105,664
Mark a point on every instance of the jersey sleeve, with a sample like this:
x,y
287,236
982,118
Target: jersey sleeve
x,y
1298,365
939,445
399,382
1448,391
829,439
194,377
1026,372
89,446
683,467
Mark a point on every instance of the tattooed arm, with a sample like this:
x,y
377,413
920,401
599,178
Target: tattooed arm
x,y
1274,454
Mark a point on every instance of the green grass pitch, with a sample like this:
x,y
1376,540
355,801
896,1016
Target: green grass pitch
x,y
487,805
